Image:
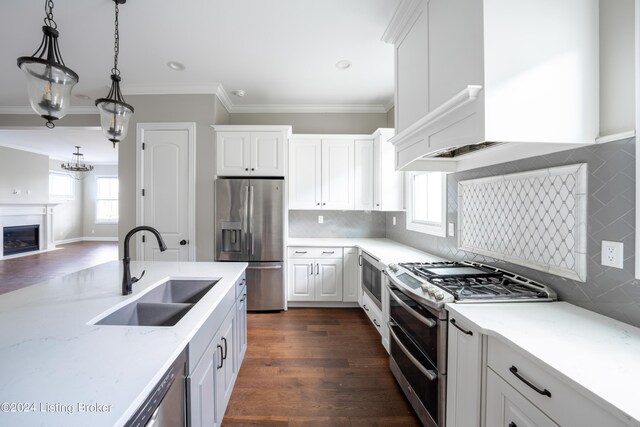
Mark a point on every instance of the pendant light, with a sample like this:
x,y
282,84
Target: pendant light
x,y
77,168
114,111
49,81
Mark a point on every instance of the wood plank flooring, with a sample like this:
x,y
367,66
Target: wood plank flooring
x,y
316,367
16,273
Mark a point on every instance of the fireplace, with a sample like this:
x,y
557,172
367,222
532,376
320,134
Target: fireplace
x,y
20,239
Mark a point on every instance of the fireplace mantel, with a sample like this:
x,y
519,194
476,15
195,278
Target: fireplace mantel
x,y
25,213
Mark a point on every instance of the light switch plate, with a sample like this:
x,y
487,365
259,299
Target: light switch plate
x,y
612,254
320,219
452,229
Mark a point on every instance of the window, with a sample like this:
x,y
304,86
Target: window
x,y
106,200
426,202
61,186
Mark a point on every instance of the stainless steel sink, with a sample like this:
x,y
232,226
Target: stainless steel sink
x,y
164,305
180,291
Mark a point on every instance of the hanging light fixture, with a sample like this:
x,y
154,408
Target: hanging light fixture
x,y
77,168
49,81
114,111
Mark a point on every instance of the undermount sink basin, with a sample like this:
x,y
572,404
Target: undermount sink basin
x,y
163,305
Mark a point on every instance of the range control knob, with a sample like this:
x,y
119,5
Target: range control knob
x,y
393,267
425,288
439,295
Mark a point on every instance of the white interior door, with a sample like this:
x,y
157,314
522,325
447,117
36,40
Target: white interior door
x,y
166,191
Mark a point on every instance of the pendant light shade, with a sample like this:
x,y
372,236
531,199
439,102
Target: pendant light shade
x,y
114,111
49,81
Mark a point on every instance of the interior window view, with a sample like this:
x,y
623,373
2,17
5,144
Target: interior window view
x,y
304,213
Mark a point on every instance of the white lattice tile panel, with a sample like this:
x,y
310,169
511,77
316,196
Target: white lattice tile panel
x,y
536,219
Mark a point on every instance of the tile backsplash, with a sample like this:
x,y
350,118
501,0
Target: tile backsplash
x,y
336,224
536,219
610,216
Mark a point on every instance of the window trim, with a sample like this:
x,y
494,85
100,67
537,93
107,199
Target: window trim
x,y
99,221
59,196
434,229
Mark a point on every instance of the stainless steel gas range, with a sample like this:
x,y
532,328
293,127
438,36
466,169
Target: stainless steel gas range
x,y
418,321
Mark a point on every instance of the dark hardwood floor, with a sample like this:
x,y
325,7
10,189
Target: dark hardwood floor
x,y
316,367
16,273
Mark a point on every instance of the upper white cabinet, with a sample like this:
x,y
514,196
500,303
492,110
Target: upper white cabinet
x,y
321,172
344,172
251,150
388,184
475,71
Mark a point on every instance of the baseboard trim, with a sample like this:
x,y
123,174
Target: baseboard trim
x,y
100,239
323,304
66,241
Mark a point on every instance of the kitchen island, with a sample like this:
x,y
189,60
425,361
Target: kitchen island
x,y
57,367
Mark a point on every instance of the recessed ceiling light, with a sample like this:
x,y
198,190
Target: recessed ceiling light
x,y
343,65
83,97
239,93
176,66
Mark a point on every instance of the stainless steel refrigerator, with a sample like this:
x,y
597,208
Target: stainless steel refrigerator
x,y
250,227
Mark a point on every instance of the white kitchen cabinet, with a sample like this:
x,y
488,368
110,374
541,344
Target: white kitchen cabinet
x,y
351,275
388,184
241,327
315,274
506,407
468,71
322,172
373,312
251,150
464,374
364,174
202,389
226,370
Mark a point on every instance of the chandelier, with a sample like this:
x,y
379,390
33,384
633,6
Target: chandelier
x,y
114,111
49,81
77,168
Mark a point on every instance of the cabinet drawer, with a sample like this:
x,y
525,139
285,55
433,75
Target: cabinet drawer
x,y
372,311
561,402
312,252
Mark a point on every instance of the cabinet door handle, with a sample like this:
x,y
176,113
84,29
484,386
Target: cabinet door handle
x,y
360,260
453,322
317,204
512,424
365,307
247,169
311,265
317,269
244,297
324,204
543,392
221,358
375,322
225,348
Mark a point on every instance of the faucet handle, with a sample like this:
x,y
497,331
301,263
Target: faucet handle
x,y
135,279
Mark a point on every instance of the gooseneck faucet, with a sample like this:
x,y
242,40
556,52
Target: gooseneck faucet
x,y
127,280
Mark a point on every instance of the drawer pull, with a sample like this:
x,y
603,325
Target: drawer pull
x,y
514,371
328,252
301,252
375,322
453,322
512,424
365,307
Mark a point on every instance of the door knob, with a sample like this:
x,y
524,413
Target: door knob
x,y
183,242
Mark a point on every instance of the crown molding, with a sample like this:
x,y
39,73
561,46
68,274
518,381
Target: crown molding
x,y
402,17
223,96
27,110
389,105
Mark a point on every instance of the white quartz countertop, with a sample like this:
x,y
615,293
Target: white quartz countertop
x,y
387,251
598,356
54,360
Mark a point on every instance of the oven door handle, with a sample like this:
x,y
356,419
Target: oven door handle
x,y
429,322
429,373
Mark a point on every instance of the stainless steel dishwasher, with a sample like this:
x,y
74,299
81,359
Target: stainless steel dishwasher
x,y
165,405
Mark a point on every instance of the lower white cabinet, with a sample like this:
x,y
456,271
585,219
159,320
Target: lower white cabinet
x,y
214,361
506,407
373,312
464,374
315,274
350,275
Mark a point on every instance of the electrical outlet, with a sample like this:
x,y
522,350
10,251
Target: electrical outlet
x,y
452,230
320,219
394,220
612,254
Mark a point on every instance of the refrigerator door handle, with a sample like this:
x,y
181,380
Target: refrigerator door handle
x,y
246,222
251,248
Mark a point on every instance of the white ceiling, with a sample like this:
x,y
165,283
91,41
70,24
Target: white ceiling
x,y
281,52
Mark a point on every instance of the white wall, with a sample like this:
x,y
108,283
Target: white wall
x,y
26,172
354,123
67,216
